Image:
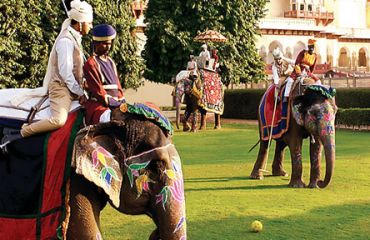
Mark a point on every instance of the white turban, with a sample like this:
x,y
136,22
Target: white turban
x,y
204,46
81,11
276,53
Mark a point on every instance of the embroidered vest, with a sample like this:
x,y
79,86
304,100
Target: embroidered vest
x,y
282,69
77,60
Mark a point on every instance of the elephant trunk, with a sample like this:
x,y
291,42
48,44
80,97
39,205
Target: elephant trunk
x,y
329,148
177,113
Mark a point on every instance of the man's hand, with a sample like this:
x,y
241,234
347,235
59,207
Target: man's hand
x,y
82,99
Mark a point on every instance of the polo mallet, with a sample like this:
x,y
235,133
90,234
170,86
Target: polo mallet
x,y
270,133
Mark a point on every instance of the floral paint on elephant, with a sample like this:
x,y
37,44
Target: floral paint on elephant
x,y
323,120
100,157
172,192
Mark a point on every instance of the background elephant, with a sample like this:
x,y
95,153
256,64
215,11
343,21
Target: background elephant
x,y
193,88
131,163
313,116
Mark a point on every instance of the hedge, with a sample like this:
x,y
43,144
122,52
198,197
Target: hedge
x,y
353,116
354,105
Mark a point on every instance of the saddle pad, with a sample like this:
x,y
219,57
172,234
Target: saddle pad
x,y
149,111
212,95
33,183
281,119
9,109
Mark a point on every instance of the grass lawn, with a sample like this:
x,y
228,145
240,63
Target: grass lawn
x,y
221,202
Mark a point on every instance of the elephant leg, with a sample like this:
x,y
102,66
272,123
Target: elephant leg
x,y
295,148
315,158
277,164
194,123
186,126
217,121
86,202
260,162
203,119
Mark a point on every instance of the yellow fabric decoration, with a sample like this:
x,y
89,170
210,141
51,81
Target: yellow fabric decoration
x,y
309,59
297,69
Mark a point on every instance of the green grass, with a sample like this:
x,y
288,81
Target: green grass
x,y
221,201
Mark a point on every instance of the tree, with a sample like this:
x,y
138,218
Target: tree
x,y
172,25
28,29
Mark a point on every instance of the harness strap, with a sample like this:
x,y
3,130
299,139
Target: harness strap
x,y
35,109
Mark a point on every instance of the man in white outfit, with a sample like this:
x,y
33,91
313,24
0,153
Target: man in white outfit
x,y
205,56
64,73
281,68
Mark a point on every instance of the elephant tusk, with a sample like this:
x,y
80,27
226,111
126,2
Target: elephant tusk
x,y
312,139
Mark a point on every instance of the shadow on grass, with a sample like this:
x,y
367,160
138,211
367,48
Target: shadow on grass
x,y
259,187
349,221
226,179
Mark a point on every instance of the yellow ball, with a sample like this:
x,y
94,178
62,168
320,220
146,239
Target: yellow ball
x,y
256,226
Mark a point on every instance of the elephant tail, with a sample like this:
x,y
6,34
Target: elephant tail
x,y
254,145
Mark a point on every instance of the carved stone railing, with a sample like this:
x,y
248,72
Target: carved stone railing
x,y
324,17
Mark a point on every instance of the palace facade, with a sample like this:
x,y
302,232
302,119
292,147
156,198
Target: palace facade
x,y
341,28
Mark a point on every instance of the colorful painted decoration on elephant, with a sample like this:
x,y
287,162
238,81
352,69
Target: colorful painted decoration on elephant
x,y
173,190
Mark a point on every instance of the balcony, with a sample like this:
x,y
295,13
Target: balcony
x,y
324,17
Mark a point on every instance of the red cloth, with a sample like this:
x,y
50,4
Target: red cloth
x,y
95,107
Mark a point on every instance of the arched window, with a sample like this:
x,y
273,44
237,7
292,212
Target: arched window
x,y
362,58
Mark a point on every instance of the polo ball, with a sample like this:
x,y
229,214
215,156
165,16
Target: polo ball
x,y
256,226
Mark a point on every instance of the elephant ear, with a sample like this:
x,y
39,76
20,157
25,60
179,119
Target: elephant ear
x,y
96,156
297,110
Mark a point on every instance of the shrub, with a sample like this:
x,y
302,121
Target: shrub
x,y
353,116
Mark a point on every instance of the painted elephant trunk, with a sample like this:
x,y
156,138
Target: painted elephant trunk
x,y
329,149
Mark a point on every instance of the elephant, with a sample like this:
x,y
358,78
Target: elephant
x,y
190,85
313,116
141,175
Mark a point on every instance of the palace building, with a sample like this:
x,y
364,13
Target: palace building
x,y
341,28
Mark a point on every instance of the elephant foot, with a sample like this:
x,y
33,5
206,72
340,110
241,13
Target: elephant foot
x,y
296,183
279,172
194,130
202,127
217,127
186,128
256,175
313,184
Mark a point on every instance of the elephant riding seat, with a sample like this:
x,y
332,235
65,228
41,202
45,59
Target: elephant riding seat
x,y
310,112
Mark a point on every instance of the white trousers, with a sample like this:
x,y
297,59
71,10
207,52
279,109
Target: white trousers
x,y
288,86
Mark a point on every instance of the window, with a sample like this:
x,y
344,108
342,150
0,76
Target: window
x,y
294,7
301,7
309,7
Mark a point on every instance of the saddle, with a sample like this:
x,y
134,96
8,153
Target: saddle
x,y
33,109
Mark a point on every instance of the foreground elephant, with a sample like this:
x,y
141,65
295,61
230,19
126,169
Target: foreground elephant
x,y
139,172
313,116
194,88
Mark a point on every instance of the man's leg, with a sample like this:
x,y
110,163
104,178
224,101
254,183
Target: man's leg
x,y
288,87
60,103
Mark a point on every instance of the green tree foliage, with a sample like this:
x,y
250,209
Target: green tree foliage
x,y
28,29
172,25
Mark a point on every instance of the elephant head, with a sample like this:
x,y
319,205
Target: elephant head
x,y
315,110
134,162
188,84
